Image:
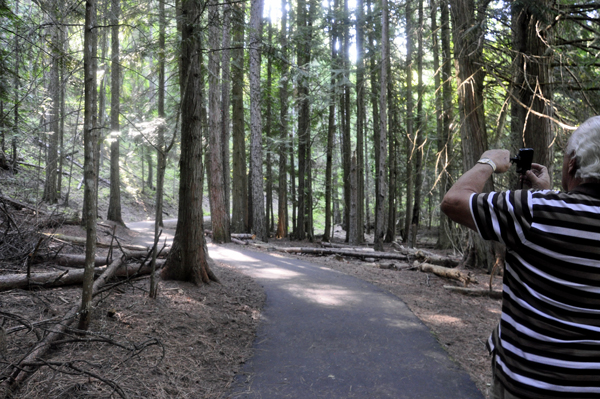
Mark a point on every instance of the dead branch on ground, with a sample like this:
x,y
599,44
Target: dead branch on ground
x,y
358,252
475,291
446,272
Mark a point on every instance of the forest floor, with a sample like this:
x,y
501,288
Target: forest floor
x,y
190,342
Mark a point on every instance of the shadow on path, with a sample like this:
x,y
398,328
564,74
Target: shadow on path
x,y
325,334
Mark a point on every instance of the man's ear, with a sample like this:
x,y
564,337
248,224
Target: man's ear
x,y
572,166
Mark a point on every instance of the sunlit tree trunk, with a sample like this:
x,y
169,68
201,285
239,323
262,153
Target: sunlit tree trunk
x,y
226,104
421,132
382,144
330,132
90,138
218,212
188,258
360,120
468,17
239,223
374,23
282,212
532,80
161,152
445,138
256,152
50,193
114,204
410,144
303,54
269,130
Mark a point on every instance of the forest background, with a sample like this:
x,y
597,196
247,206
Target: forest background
x,y
302,115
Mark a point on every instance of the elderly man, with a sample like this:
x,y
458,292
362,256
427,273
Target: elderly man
x,y
547,344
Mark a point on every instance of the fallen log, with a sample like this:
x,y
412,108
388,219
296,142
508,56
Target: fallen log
x,y
342,252
446,272
99,244
75,260
326,244
62,278
239,242
427,257
475,291
239,236
410,251
29,364
142,254
19,205
243,236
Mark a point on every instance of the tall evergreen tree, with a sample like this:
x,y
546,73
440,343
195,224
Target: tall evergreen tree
x,y
256,151
114,204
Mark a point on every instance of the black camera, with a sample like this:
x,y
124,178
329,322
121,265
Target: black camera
x,y
523,160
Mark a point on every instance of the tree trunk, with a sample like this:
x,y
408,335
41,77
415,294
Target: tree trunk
x,y
420,135
239,222
64,48
50,194
445,139
149,161
353,238
382,144
161,152
90,142
269,130
468,32
188,259
218,209
282,210
303,119
258,198
374,83
330,135
114,204
532,80
410,147
360,121
226,103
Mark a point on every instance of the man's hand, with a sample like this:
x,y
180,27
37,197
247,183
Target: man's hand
x,y
538,177
456,201
500,157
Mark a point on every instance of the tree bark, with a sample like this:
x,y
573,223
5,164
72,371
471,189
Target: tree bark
x,y
256,151
216,178
420,134
50,193
239,222
114,204
445,231
330,134
382,144
468,17
360,121
410,145
532,80
90,143
225,106
282,210
268,130
303,55
188,259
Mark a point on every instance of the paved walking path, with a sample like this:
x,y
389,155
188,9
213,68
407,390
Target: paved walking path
x,y
325,334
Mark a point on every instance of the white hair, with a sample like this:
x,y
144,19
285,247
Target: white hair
x,y
584,144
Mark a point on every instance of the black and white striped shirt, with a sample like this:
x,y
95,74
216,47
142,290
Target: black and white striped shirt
x,y
547,344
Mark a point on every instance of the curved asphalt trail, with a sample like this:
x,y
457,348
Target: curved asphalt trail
x,y
325,334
